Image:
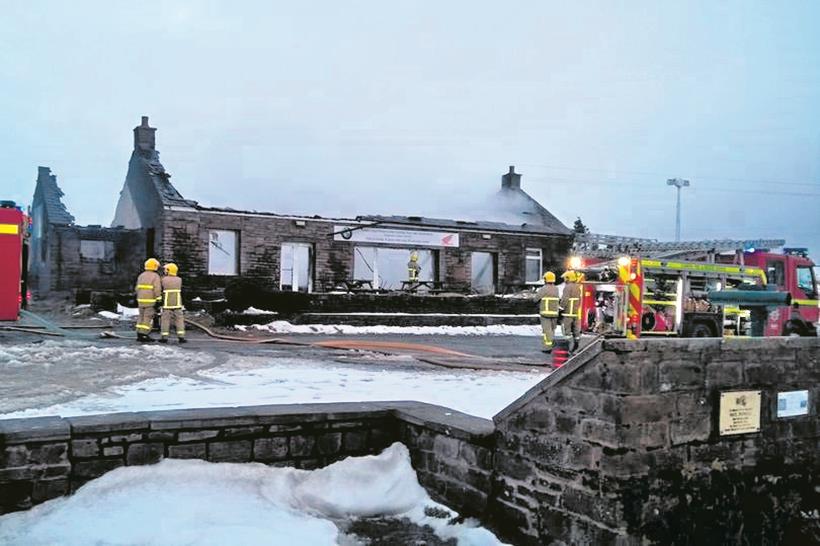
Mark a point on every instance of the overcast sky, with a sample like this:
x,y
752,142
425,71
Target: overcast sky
x,y
340,108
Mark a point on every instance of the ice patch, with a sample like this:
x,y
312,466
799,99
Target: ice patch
x,y
180,502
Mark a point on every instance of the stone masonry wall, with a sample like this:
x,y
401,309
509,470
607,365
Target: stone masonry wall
x,y
184,239
622,446
65,268
44,458
619,446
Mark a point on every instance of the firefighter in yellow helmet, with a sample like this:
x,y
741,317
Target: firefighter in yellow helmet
x,y
413,268
171,305
548,299
149,292
571,306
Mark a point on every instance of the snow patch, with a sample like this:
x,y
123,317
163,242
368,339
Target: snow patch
x,y
126,312
196,502
246,381
255,311
285,327
73,353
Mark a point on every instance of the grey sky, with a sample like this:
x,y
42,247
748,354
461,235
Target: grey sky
x,y
419,107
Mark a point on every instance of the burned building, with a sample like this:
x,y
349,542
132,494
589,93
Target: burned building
x,y
65,257
497,251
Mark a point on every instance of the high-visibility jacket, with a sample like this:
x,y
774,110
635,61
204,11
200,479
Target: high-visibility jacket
x,y
148,289
171,292
548,300
571,300
413,270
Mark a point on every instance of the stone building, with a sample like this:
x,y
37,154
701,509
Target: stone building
x,y
212,246
65,257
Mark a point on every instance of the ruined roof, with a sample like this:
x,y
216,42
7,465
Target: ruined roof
x,y
48,194
420,221
516,201
161,179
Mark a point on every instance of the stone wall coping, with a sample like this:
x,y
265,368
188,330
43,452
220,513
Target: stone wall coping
x,y
561,374
33,429
728,343
626,345
444,420
441,419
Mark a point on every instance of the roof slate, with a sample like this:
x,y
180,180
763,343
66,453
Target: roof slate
x,y
161,180
49,194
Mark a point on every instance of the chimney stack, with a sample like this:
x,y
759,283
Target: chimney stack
x,y
511,180
144,136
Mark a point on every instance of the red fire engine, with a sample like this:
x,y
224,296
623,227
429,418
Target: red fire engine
x,y
13,256
768,295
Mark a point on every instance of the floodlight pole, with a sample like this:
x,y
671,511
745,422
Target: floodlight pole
x,y
678,183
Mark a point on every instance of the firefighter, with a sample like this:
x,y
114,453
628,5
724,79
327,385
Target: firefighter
x,y
548,299
413,268
149,293
172,305
571,306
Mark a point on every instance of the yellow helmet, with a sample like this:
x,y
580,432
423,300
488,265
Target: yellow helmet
x,y
549,276
171,269
151,264
414,257
570,276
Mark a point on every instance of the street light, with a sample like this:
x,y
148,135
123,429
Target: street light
x,y
678,183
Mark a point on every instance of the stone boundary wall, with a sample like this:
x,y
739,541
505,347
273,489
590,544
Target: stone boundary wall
x,y
619,446
48,457
622,446
453,457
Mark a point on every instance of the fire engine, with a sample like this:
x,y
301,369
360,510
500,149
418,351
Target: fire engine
x,y
767,295
14,230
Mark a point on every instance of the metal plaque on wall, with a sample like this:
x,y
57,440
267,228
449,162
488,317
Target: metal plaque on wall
x,y
792,403
739,412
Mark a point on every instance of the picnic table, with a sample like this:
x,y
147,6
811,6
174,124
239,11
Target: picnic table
x,y
413,286
356,286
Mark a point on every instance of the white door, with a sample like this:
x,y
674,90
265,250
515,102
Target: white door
x,y
482,277
296,268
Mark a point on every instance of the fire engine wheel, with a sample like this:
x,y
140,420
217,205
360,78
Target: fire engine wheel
x,y
701,330
797,328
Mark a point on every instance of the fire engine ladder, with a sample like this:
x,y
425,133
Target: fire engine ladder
x,y
594,245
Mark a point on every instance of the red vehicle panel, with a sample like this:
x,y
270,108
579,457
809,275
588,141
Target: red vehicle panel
x,y
792,273
12,231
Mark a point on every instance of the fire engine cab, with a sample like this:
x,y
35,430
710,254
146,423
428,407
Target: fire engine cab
x,y
767,295
14,229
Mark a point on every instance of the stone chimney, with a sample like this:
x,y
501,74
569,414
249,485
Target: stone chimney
x,y
144,136
511,180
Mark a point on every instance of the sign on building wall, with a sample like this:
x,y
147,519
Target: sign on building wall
x,y
739,412
792,403
396,237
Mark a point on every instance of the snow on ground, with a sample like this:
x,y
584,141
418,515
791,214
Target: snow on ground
x,y
45,373
253,380
284,327
61,354
190,502
255,311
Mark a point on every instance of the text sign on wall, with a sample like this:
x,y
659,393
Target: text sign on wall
x,y
739,412
792,403
395,236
